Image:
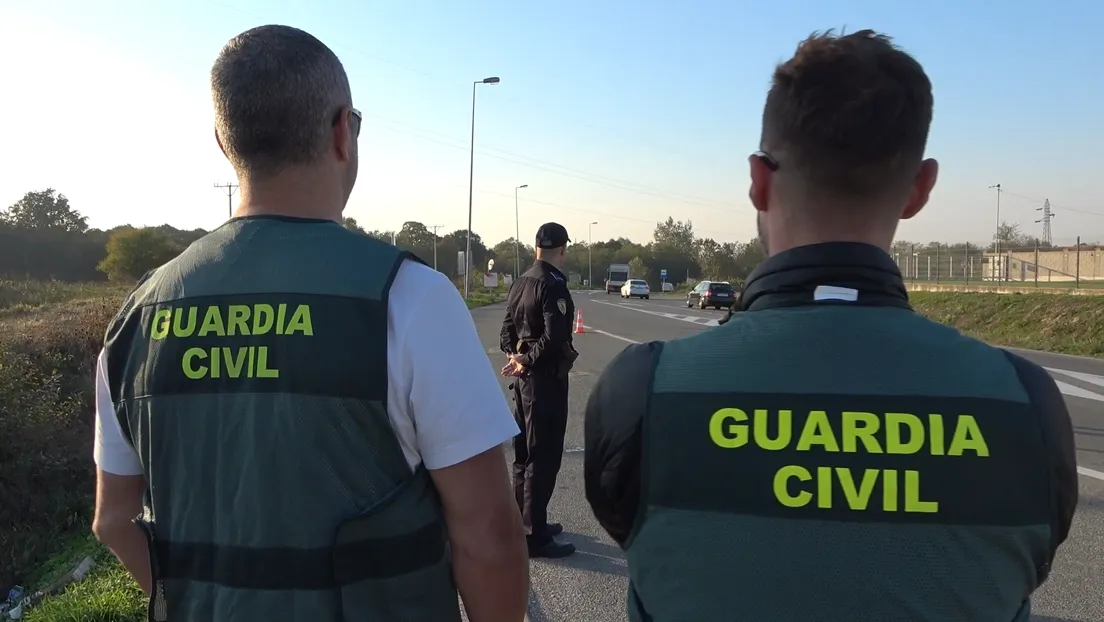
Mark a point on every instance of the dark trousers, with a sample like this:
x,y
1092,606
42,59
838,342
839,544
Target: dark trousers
x,y
540,409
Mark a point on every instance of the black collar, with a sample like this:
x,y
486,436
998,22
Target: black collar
x,y
832,273
547,267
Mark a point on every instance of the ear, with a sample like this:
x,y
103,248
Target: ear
x,y
219,141
921,188
343,135
759,193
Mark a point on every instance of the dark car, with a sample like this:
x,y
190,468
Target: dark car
x,y
716,294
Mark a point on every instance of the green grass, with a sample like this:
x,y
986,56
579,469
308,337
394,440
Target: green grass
x,y
107,593
1050,322
18,297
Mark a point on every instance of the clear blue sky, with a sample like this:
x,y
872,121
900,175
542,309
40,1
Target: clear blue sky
x,y
657,104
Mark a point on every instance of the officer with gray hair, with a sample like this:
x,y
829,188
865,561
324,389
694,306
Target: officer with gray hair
x,y
273,403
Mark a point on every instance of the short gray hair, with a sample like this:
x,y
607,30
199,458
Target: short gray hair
x,y
276,91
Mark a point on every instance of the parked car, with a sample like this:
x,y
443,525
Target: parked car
x,y
716,294
636,288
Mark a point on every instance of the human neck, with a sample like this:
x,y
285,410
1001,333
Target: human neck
x,y
795,231
291,194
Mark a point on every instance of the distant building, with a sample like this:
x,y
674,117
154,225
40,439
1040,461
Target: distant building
x,y
1052,265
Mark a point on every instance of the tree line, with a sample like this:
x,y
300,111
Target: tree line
x,y
42,236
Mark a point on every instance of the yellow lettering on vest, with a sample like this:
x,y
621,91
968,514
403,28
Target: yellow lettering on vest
x,y
817,431
263,370
159,327
912,495
212,323
894,422
281,315
726,429
861,427
761,423
824,488
889,490
781,486
967,436
237,324
184,330
857,497
188,362
234,361
300,321
935,433
263,317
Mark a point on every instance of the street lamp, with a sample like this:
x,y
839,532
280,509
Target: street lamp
x,y
590,253
996,237
471,179
517,234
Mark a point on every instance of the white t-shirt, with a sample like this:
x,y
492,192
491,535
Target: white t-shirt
x,y
443,399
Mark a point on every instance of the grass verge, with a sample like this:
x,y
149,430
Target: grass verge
x,y
1050,322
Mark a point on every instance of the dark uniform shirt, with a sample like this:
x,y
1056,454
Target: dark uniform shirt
x,y
620,399
539,313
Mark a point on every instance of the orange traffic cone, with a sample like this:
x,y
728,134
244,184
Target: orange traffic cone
x,y
579,322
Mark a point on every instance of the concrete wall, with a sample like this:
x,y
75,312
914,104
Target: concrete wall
x,y
1054,266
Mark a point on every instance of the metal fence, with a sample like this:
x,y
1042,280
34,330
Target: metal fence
x,y
1075,266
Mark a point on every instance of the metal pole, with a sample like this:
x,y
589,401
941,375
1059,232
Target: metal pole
x,y
471,180
1036,263
1077,274
590,254
967,267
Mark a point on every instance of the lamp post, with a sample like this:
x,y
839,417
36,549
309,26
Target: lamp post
x,y
517,233
471,179
590,254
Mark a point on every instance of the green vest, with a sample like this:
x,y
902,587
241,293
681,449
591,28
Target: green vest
x,y
250,373
776,489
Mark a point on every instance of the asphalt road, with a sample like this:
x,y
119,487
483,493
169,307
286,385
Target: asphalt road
x,y
591,584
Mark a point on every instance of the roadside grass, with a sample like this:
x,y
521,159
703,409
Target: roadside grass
x,y
107,593
46,358
1050,322
18,297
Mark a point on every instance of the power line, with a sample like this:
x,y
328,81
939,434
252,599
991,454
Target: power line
x,y
1047,215
230,189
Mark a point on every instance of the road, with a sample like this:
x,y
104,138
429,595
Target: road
x,y
591,584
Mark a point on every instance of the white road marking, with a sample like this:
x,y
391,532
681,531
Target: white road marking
x,y
1072,391
591,329
693,319
1083,377
1091,473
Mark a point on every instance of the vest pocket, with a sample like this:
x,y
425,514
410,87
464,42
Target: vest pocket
x,y
392,563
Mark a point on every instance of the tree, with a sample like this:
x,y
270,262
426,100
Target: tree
x,y
45,210
133,252
638,269
350,223
1010,237
674,236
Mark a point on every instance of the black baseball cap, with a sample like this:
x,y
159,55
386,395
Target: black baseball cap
x,y
552,235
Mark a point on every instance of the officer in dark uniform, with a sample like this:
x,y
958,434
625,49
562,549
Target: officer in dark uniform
x,y
536,336
828,453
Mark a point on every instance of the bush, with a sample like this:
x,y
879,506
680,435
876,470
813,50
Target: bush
x,y
47,360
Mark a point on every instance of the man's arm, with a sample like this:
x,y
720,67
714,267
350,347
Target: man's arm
x,y
507,336
553,304
1057,429
120,485
462,420
613,438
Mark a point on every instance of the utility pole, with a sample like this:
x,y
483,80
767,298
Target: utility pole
x,y
996,238
230,189
1047,216
435,228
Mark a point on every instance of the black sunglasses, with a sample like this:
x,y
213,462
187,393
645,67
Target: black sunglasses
x,y
356,114
767,159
